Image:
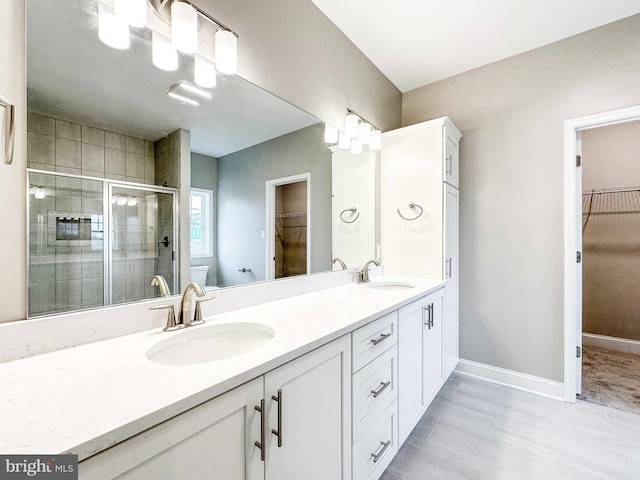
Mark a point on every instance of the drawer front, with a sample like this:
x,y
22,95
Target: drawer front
x,y
373,453
375,387
373,339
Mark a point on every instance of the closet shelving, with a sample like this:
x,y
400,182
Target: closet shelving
x,y
609,201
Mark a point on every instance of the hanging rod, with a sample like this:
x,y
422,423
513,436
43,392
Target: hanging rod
x,y
598,191
290,215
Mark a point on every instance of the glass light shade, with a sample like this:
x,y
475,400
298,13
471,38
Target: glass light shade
x,y
351,122
204,72
364,133
164,55
134,12
330,133
132,201
344,141
375,141
184,27
226,51
356,146
112,30
39,193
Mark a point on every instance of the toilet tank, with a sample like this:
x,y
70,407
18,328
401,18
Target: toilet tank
x,y
199,274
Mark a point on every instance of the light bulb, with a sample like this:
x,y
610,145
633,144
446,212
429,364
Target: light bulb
x,y
364,133
356,146
351,125
344,141
330,133
134,12
184,27
164,55
375,141
226,48
204,72
112,30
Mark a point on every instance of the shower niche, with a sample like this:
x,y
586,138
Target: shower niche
x,y
95,242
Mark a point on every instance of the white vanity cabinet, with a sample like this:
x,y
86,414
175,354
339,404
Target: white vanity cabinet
x,y
420,358
216,440
419,212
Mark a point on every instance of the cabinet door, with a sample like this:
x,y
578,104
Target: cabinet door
x,y
451,161
411,320
432,373
451,202
315,415
214,441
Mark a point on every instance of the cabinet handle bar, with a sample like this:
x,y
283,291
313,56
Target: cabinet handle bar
x,y
380,389
278,432
261,444
376,456
382,337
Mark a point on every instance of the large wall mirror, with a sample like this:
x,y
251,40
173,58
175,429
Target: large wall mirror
x,y
107,153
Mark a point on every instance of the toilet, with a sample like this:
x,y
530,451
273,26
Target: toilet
x,y
199,274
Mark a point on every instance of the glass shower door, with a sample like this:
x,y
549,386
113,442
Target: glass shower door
x,y
142,242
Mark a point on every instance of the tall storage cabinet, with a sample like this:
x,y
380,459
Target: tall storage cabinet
x,y
419,213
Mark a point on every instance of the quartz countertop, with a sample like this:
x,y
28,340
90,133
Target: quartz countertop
x,y
85,399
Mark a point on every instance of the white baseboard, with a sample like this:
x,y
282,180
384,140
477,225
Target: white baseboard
x,y
611,343
509,378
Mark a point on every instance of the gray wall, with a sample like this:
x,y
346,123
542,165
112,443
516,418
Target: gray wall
x,y
204,174
241,201
291,49
611,238
511,247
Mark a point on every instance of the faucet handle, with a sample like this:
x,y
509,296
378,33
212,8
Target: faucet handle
x,y
171,317
197,318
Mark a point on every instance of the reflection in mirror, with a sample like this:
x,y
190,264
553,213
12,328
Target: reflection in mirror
x,y
101,125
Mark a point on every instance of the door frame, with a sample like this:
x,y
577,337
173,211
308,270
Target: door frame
x,y
573,237
269,223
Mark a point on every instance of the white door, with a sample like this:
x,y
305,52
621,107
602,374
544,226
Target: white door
x,y
432,346
579,266
311,413
215,440
451,256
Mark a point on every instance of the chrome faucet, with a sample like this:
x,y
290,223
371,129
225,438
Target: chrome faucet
x,y
363,275
341,262
184,315
161,283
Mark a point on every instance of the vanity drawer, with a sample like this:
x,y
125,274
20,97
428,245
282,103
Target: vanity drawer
x,y
373,453
371,340
374,389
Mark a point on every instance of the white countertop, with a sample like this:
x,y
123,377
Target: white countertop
x,y
85,399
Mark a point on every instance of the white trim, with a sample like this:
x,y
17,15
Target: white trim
x,y
270,212
572,240
509,378
611,343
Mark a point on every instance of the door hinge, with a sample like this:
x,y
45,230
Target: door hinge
x,y
578,161
578,257
578,352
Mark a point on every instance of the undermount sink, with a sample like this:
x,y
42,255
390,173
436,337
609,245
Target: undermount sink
x,y
390,285
210,343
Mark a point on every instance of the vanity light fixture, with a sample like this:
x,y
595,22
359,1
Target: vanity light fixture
x,y
344,141
330,133
188,93
365,133
184,27
132,201
226,51
375,142
134,12
163,53
112,30
204,72
351,122
356,146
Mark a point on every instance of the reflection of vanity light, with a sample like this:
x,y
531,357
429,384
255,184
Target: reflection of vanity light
x,y
364,133
134,12
131,201
164,55
344,141
188,93
39,193
375,141
112,30
204,72
184,27
351,122
330,133
121,200
356,146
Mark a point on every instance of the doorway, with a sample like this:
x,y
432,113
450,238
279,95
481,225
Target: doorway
x,y
287,233
573,239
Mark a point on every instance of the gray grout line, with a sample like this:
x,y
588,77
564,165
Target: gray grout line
x,y
434,429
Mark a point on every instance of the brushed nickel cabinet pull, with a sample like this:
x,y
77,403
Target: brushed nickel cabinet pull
x,y
380,389
376,456
261,444
7,137
449,164
382,336
278,432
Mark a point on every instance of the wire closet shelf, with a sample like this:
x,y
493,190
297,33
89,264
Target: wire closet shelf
x,y
609,201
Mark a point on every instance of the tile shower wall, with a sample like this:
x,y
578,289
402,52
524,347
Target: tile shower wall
x,y
60,146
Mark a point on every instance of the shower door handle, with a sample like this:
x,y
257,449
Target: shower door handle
x,y
8,132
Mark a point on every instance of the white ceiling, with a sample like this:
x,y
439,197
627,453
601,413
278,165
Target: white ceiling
x,y
417,42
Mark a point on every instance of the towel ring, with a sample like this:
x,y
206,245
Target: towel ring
x,y
353,210
412,205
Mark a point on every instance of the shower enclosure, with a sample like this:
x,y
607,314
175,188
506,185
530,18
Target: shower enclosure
x,y
95,242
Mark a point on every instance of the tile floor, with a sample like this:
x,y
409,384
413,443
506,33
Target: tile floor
x,y
482,431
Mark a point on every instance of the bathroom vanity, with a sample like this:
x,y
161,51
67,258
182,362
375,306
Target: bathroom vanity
x,y
329,383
